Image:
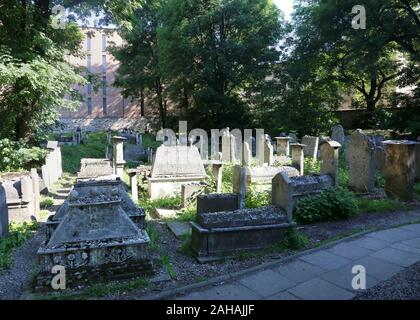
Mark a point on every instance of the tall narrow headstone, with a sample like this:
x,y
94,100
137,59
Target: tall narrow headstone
x,y
337,134
239,184
4,214
329,159
311,146
37,195
268,153
361,159
118,154
217,171
400,171
260,140
283,146
298,157
247,154
226,147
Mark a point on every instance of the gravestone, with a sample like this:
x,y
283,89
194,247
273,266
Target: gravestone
x,y
286,191
172,167
118,154
93,168
226,147
247,154
189,191
217,171
337,134
268,153
52,145
217,202
361,159
329,159
311,146
400,170
283,146
298,157
4,214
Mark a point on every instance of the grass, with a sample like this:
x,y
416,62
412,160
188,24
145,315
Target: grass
x,y
311,166
103,289
154,236
186,246
167,264
341,236
379,205
18,234
46,202
417,191
94,148
188,214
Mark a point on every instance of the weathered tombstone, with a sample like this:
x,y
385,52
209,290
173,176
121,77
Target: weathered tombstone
x,y
337,134
283,146
52,145
118,153
37,195
268,153
239,184
202,144
4,214
360,155
298,157
172,167
260,141
286,191
189,191
226,147
216,202
400,171
132,176
94,168
329,159
311,146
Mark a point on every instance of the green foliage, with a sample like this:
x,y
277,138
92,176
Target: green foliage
x,y
167,264
186,246
72,154
311,166
188,214
16,156
256,197
47,202
379,179
379,205
18,234
295,240
332,204
343,177
154,236
227,178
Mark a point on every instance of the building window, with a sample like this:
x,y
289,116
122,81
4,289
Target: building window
x,y
89,43
103,42
89,63
104,64
104,105
89,105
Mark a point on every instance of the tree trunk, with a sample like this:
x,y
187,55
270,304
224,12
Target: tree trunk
x,y
142,102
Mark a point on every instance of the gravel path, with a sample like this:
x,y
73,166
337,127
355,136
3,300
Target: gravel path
x,y
16,280
403,286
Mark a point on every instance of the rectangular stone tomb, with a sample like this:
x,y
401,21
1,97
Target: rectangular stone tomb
x,y
91,188
174,166
96,240
92,168
220,234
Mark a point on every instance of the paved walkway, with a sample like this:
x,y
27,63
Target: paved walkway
x,y
327,273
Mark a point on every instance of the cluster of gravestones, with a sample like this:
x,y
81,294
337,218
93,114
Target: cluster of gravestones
x,y
72,138
20,193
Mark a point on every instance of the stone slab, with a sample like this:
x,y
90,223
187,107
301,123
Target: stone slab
x,y
267,283
233,291
405,247
399,257
319,289
371,243
283,296
412,228
164,213
299,271
179,228
378,268
349,250
412,242
325,260
343,277
393,235
217,202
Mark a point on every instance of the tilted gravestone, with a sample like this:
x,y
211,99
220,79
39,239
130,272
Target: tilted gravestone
x,y
311,146
4,214
361,159
217,202
400,170
337,134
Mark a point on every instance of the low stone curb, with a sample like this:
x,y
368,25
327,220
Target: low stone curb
x,y
170,294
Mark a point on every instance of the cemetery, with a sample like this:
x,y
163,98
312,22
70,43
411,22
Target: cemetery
x,y
183,200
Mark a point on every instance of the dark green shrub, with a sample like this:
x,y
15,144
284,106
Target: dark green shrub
x,y
332,204
15,156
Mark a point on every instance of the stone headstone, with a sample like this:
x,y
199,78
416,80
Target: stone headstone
x,y
298,157
247,154
226,147
283,146
218,202
4,214
311,149
337,134
118,156
268,153
189,191
93,168
400,170
361,159
329,159
52,145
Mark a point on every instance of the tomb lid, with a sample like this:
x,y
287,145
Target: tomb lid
x,y
119,138
52,145
298,145
282,138
177,161
332,143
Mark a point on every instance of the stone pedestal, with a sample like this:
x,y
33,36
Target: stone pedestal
x,y
298,156
118,161
329,159
132,175
283,146
400,172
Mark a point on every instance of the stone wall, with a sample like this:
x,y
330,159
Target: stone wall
x,y
97,124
